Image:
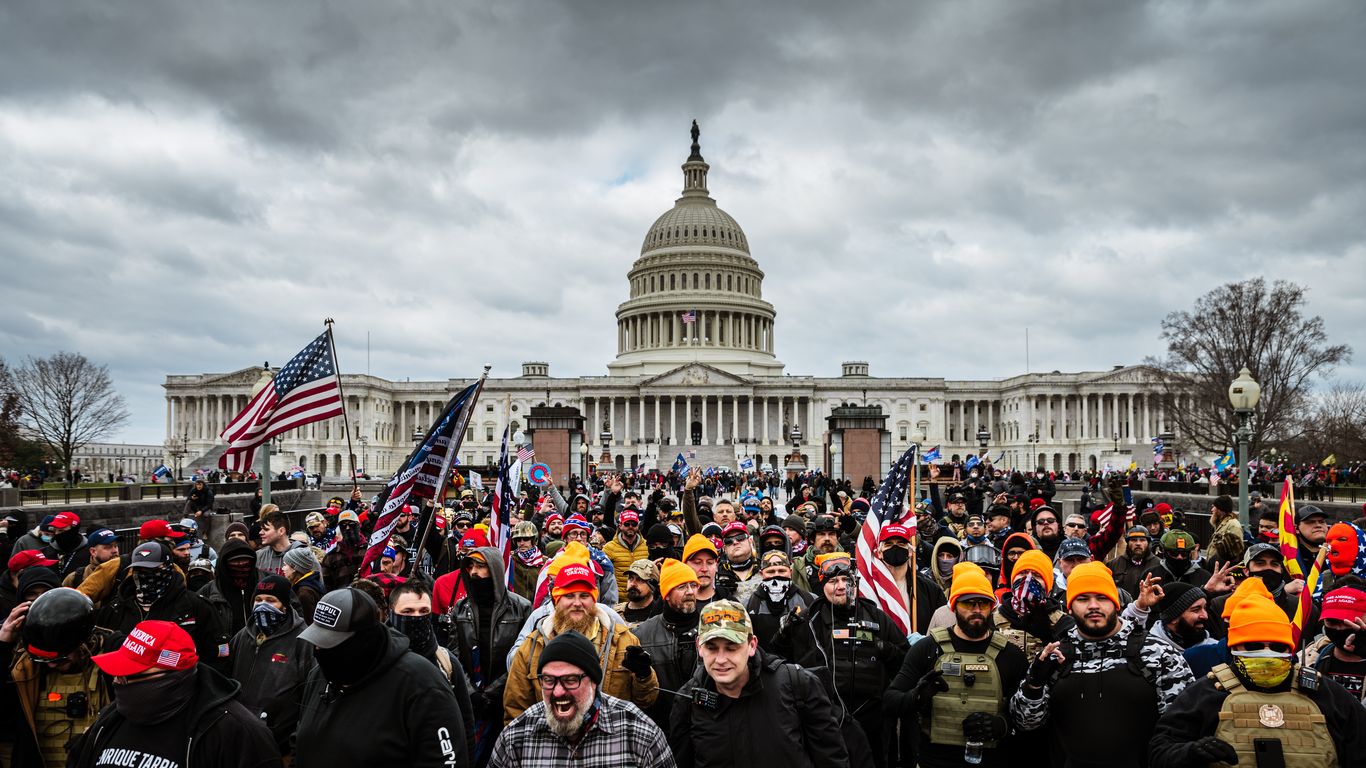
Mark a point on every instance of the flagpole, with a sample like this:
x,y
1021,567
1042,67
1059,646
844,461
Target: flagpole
x,y
456,439
913,496
346,422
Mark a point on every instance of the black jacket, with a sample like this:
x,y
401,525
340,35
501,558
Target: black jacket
x,y
179,606
673,654
782,719
221,730
858,669
272,671
1195,714
509,613
402,713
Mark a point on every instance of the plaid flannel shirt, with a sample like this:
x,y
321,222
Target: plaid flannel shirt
x,y
621,735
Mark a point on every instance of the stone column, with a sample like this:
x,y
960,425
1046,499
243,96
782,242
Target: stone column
x,y
640,433
625,437
1147,425
704,421
1130,398
673,418
749,435
763,417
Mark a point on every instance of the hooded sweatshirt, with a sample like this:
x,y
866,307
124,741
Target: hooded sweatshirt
x,y
233,605
490,629
945,582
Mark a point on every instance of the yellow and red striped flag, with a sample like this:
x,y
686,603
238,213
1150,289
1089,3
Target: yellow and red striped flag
x,y
1289,538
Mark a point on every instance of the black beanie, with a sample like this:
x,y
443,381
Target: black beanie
x,y
1176,598
659,534
572,648
276,586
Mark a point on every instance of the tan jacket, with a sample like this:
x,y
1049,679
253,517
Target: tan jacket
x,y
523,688
1226,544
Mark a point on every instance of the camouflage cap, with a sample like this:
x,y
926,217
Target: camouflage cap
x,y
524,530
726,620
645,568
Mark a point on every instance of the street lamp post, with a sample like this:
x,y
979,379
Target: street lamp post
x,y
1116,439
1243,395
364,455
266,380
584,450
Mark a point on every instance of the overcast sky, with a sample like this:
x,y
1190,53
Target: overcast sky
x,y
192,187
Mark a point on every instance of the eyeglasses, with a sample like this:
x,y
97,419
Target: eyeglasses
x,y
735,539
1047,521
629,524
568,682
1074,525
462,526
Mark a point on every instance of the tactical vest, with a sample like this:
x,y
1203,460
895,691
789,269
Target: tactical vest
x,y
974,683
1290,717
67,705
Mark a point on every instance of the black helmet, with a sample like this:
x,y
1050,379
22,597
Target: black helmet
x,y
58,622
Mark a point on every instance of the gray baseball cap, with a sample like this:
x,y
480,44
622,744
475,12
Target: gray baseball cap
x,y
338,616
149,554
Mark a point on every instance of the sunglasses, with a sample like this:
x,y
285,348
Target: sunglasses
x,y
736,539
1074,525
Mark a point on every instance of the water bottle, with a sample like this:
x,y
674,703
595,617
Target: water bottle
x,y
972,752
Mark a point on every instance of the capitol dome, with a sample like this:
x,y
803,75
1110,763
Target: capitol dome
x,y
695,264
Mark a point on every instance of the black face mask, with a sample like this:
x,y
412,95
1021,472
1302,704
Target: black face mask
x,y
480,589
351,660
67,541
1273,580
896,556
660,552
1339,637
157,700
351,535
419,630
198,579
1177,567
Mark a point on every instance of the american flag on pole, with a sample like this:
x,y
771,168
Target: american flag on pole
x,y
304,391
504,499
422,475
690,316
888,507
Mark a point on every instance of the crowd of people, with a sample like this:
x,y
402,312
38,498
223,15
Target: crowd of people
x,y
694,620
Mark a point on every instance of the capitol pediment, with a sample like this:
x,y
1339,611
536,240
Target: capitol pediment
x,y
1132,374
696,375
244,377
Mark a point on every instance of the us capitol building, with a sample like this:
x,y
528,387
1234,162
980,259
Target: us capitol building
x,y
712,389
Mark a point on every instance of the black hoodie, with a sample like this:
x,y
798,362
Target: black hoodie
x,y
214,729
402,713
232,605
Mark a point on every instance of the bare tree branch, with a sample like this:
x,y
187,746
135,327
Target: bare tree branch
x,y
1237,325
67,402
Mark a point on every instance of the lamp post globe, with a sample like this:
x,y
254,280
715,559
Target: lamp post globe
x,y
1243,394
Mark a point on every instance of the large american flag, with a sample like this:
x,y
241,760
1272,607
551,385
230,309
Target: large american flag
x,y
420,476
304,391
504,499
888,507
690,316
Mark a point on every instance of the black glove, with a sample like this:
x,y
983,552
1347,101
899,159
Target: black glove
x,y
1042,670
479,701
983,726
637,661
793,618
1212,749
923,692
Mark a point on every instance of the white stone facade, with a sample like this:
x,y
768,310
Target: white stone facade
x,y
713,386
97,461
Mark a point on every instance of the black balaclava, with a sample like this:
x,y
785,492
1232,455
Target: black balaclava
x,y
351,660
152,583
480,590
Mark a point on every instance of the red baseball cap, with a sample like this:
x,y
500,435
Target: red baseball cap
x,y
733,527
1344,604
628,516
1035,503
151,645
27,558
63,520
575,573
158,529
440,522
894,531
474,538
